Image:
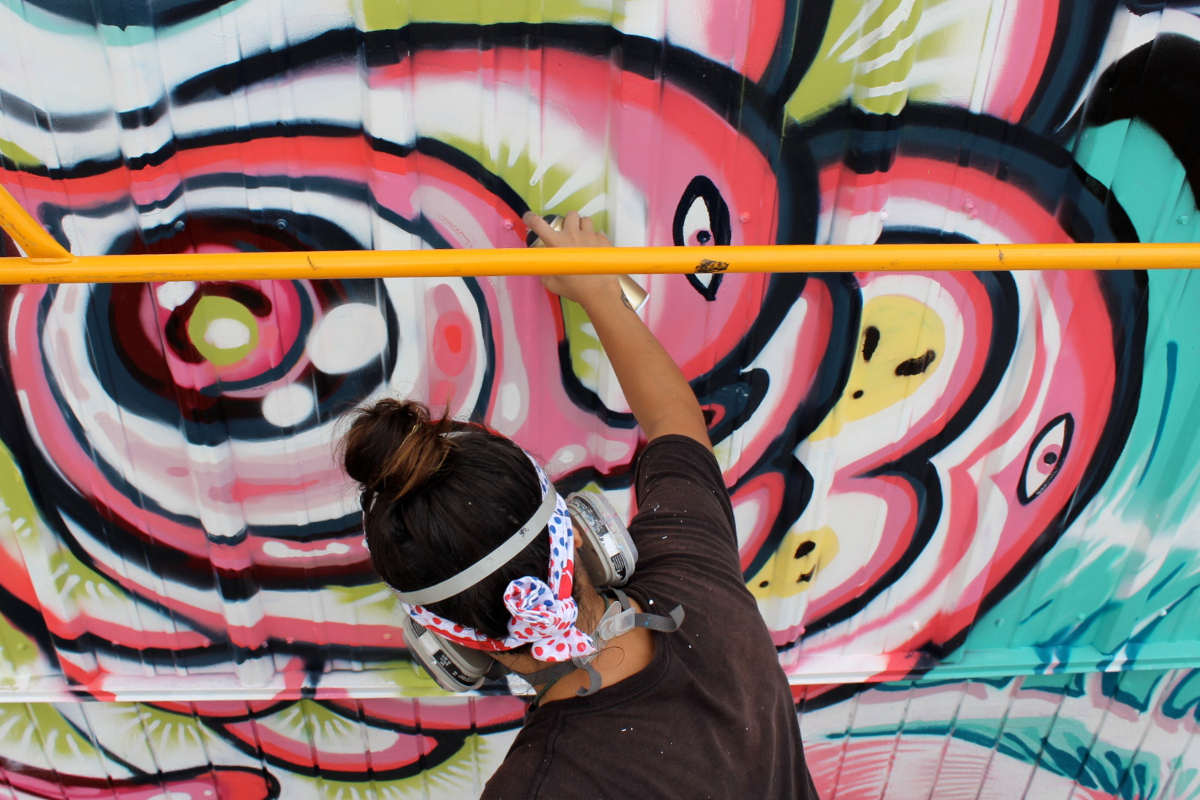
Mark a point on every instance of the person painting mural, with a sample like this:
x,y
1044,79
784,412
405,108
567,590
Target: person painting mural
x,y
668,686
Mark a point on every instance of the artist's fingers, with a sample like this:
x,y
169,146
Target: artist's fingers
x,y
539,226
585,225
571,223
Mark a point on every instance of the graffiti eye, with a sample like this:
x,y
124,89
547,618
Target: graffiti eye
x,y
1046,457
697,226
702,218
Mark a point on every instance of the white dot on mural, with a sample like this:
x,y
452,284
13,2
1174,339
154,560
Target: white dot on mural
x,y
288,405
347,338
227,334
568,456
174,294
509,406
281,550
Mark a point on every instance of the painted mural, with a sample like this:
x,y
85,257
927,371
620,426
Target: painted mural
x,y
966,502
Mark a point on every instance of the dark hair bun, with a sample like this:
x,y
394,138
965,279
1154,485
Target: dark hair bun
x,y
393,448
437,496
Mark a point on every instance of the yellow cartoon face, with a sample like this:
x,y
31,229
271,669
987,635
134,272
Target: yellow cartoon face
x,y
795,564
901,343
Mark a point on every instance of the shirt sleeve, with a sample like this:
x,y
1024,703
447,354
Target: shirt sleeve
x,y
684,527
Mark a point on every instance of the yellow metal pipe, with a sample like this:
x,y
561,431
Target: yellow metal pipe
x,y
49,262
334,265
26,232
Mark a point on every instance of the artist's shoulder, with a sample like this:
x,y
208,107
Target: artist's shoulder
x,y
549,760
680,478
674,458
524,768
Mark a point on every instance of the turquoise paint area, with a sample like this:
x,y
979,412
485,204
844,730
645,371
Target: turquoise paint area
x,y
1158,470
111,35
1162,454
45,20
1152,490
1068,685
1184,698
1060,745
1080,628
1133,688
1140,168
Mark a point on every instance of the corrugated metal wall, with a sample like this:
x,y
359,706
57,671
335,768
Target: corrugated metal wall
x,y
966,503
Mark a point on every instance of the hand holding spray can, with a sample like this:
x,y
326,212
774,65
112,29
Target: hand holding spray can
x,y
631,291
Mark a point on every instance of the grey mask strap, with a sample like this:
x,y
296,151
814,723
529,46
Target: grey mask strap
x,y
489,563
556,671
659,623
654,622
594,680
548,674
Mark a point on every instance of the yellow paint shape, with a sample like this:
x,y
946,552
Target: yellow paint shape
x,y
223,330
395,14
795,564
537,185
905,340
866,56
21,157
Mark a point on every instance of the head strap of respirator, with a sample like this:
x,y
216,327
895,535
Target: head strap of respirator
x,y
458,663
484,567
542,612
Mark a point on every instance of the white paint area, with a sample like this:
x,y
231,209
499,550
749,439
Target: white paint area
x,y
453,220
566,458
224,333
174,294
608,449
281,550
696,220
746,515
288,405
13,316
348,337
508,405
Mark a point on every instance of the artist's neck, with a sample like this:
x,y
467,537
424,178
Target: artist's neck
x,y
622,657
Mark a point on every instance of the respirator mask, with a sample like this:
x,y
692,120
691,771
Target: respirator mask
x,y
608,554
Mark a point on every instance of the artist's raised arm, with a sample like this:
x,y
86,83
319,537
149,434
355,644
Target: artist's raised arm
x,y
657,393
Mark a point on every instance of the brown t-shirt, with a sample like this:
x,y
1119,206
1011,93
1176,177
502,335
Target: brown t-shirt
x,y
711,716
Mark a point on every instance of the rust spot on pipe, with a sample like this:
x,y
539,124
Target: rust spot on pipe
x,y
706,266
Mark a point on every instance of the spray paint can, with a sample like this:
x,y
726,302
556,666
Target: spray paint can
x,y
631,291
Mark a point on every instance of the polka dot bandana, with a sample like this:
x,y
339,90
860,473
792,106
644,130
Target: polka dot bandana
x,y
543,615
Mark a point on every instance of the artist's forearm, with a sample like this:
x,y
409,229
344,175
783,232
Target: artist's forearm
x,y
657,393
